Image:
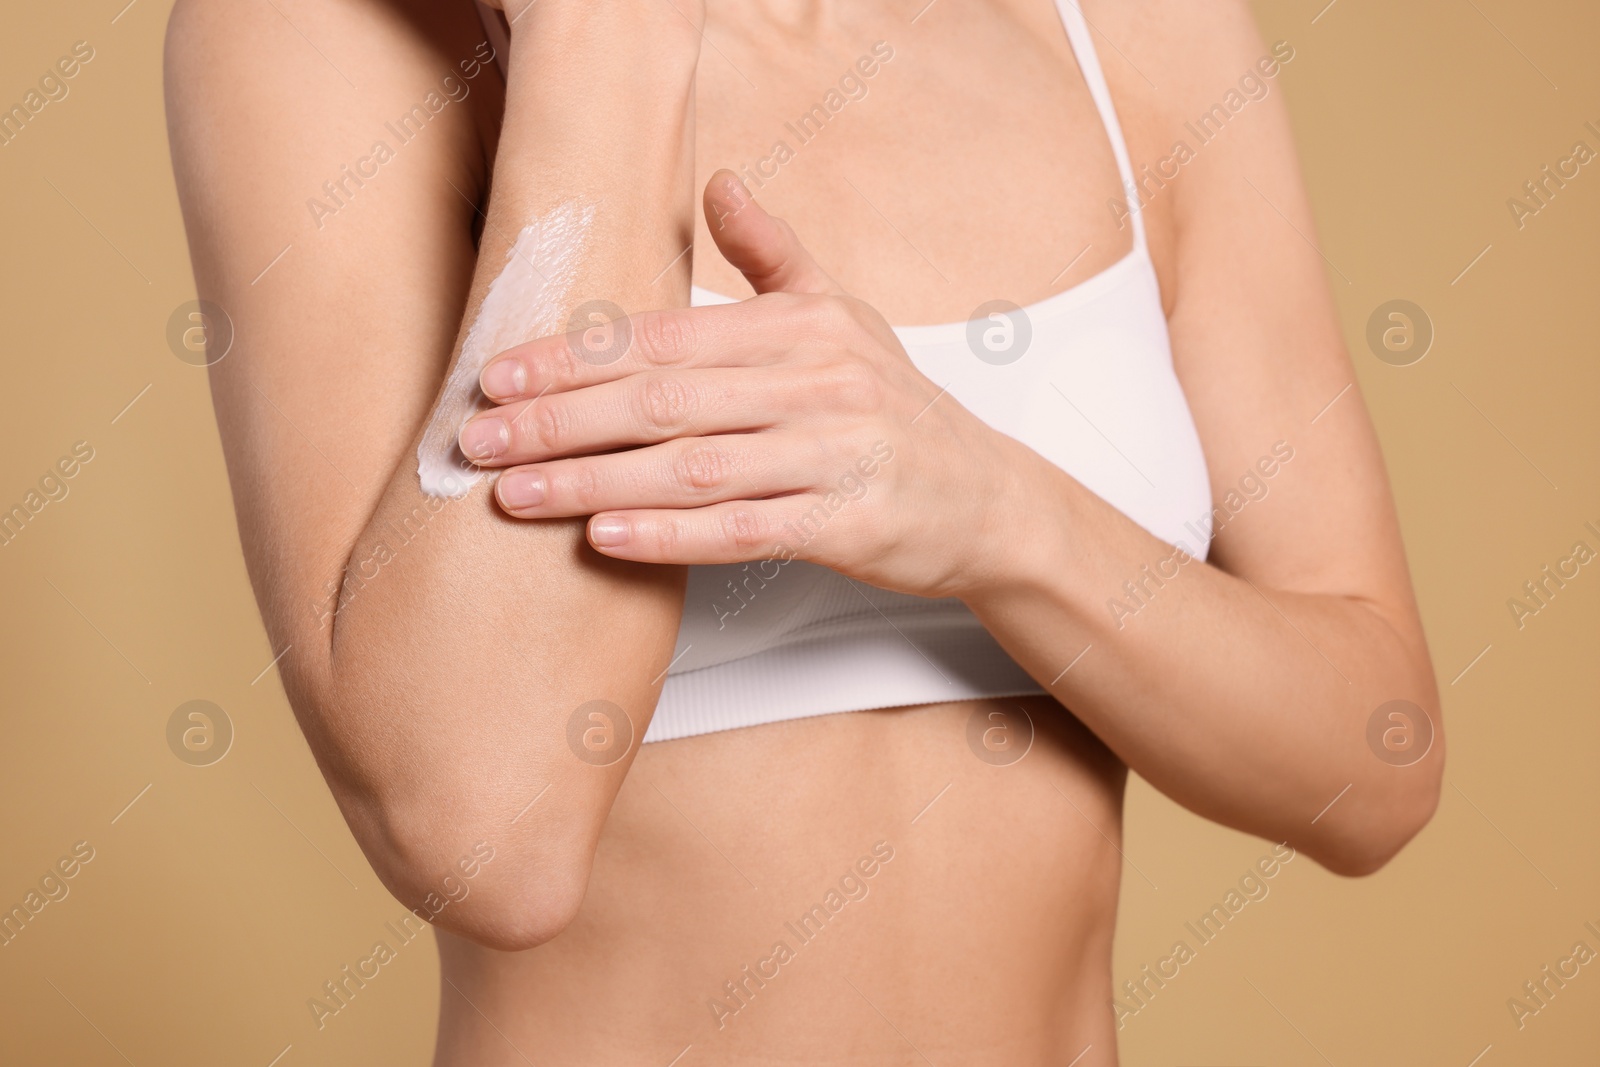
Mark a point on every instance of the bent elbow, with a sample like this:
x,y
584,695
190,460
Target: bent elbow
x,y
502,892
1356,851
441,840
514,921
1364,857
1386,808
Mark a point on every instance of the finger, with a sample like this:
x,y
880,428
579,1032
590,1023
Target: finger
x,y
641,410
764,249
733,532
689,473
747,333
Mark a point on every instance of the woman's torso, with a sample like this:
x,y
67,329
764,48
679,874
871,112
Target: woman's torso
x,y
974,168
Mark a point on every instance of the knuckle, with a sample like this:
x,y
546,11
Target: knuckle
x,y
559,365
851,385
668,533
857,330
667,403
806,312
743,528
825,316
552,424
797,309
776,303
702,468
664,337
583,482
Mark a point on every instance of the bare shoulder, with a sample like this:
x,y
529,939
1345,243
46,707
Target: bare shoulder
x,y
1188,44
1180,74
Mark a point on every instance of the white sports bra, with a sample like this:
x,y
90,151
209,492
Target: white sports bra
x,y
1083,377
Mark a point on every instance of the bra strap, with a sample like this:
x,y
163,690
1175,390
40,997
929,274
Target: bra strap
x,y
1083,49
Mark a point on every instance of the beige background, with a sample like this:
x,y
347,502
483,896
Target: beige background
x,y
225,895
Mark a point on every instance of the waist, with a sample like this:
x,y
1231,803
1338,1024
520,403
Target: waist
x,y
963,881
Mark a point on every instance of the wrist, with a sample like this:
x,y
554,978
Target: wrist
x,y
626,44
1016,543
600,98
603,74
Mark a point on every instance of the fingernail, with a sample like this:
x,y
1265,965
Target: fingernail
x,y
521,489
483,439
608,532
503,379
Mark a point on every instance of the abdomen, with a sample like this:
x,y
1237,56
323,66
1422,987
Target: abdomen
x,y
766,893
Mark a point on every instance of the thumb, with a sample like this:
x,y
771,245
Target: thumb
x,y
764,249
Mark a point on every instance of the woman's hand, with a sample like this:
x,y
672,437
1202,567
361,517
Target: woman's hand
x,y
790,426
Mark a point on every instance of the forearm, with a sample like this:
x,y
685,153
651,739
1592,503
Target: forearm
x,y
454,671
1246,704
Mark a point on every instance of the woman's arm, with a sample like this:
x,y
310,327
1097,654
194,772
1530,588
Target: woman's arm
x,y
1244,687
434,650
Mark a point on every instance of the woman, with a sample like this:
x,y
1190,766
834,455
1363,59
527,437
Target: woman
x,y
773,695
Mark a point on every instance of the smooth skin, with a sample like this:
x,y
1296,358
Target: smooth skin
x,y
621,899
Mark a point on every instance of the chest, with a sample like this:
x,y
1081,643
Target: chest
x,y
931,166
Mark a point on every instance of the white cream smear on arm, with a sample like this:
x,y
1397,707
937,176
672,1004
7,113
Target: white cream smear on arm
x,y
525,302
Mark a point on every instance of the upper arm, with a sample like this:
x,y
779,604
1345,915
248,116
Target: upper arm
x,y
1256,339
345,300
